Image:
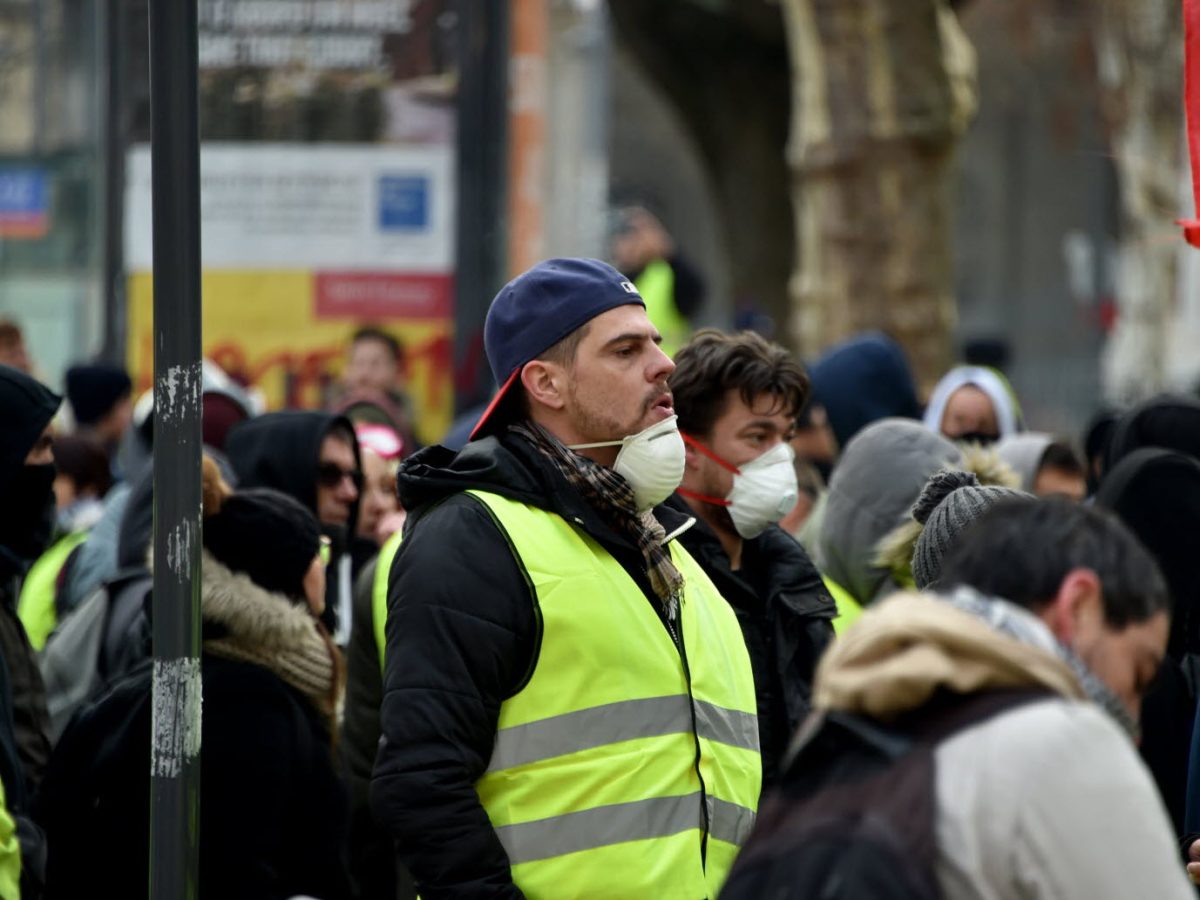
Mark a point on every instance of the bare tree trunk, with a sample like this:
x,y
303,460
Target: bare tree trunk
x,y
882,92
1139,48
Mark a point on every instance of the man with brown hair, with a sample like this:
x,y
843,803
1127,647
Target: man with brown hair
x,y
569,707
737,397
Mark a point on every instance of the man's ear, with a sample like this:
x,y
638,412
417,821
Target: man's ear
x,y
545,383
1078,605
692,458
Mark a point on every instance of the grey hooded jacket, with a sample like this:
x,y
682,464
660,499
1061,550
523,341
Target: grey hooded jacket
x,y
879,476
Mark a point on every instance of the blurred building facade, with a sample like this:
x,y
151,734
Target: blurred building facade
x,y
51,176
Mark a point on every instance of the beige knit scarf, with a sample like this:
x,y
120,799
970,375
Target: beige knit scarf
x,y
274,632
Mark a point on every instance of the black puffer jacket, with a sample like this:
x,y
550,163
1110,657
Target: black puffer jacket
x,y
786,616
373,864
462,636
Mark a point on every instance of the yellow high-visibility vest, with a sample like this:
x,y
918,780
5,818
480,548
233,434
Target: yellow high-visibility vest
x,y
379,589
10,853
36,607
656,284
848,609
619,771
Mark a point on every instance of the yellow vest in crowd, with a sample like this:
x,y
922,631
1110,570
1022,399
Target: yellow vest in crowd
x,y
656,284
10,854
593,786
37,607
848,609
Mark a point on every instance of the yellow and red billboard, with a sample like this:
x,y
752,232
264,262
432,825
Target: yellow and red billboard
x,y
301,245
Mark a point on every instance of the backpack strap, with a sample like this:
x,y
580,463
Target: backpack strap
x,y
941,717
946,713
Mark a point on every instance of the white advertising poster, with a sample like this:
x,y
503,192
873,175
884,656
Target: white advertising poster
x,y
321,206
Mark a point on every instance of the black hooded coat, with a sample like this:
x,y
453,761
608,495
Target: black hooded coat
x,y
1168,422
282,450
1156,493
26,408
861,381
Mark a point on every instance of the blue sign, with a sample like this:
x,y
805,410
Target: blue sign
x,y
24,196
403,202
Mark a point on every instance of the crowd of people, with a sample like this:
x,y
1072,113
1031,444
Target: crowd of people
x,y
699,624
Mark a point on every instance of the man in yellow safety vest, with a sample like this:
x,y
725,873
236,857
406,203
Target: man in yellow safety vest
x,y
569,708
671,287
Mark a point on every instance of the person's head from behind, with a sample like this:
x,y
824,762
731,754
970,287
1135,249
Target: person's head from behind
x,y
947,506
339,477
219,413
83,470
859,381
737,397
267,536
1060,473
374,362
101,397
1156,494
1082,573
814,440
12,347
1095,444
574,352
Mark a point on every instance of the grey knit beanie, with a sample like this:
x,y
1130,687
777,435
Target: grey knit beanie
x,y
949,502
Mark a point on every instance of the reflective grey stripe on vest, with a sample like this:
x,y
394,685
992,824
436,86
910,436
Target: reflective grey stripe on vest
x,y
729,822
727,726
625,720
602,826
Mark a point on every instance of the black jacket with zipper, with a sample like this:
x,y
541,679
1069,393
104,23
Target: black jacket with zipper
x,y
462,637
786,616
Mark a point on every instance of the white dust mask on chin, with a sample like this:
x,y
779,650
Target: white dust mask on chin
x,y
651,461
764,489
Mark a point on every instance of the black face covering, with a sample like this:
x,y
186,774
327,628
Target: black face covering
x,y
28,520
976,437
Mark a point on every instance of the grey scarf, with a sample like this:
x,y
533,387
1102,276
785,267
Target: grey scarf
x,y
1021,625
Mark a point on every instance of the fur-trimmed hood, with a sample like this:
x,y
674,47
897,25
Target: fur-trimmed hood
x,y
271,630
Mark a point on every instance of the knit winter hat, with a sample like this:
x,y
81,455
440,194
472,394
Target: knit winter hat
x,y
260,532
949,502
94,390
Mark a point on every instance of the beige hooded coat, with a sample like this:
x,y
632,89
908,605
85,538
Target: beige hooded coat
x,y
1048,800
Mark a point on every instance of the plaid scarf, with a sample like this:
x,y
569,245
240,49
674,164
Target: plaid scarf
x,y
612,497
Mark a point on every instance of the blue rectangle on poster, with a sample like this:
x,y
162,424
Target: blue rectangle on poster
x,y
403,202
24,202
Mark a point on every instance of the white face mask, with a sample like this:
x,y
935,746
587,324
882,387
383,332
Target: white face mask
x,y
651,461
764,489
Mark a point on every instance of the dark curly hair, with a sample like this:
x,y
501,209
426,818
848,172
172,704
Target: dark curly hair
x,y
714,363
